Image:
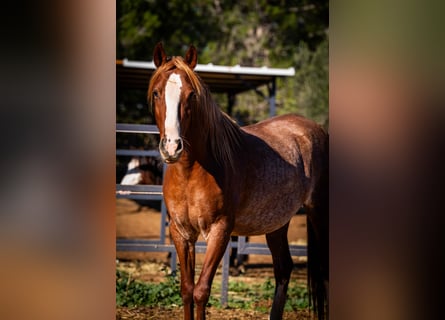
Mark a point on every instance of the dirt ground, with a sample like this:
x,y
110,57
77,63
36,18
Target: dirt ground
x,y
145,313
133,221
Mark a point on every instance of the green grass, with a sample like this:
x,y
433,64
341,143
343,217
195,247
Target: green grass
x,y
258,297
131,292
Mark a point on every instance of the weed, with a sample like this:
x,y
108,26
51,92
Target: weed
x,y
131,292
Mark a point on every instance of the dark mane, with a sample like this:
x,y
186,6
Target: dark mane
x,y
223,134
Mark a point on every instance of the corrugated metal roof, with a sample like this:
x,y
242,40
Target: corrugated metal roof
x,y
221,79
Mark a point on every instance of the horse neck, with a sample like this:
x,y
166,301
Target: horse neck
x,y
215,140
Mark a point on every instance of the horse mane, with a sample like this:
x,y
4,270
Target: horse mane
x,y
223,134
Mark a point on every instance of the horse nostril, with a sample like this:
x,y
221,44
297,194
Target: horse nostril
x,y
170,148
179,148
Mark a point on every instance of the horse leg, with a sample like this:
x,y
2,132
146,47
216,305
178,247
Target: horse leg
x,y
186,255
217,242
282,266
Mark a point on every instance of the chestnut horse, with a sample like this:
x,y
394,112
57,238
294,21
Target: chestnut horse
x,y
224,180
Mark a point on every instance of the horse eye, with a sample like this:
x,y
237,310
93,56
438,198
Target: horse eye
x,y
155,94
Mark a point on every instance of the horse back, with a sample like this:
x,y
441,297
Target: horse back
x,y
290,138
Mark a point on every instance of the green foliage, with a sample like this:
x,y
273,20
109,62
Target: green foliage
x,y
278,33
297,295
308,92
143,23
259,297
130,292
252,32
260,32
298,298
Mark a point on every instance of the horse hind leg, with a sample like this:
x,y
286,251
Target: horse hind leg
x,y
282,265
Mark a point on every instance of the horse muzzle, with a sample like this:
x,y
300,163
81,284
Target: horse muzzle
x,y
171,149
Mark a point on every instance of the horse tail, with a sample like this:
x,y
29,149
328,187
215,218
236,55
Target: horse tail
x,y
318,241
316,285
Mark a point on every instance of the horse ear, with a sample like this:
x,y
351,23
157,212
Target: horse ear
x,y
159,56
191,57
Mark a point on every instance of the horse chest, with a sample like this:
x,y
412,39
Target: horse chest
x,y
193,208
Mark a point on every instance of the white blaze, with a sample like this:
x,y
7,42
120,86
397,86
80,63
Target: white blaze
x,y
172,95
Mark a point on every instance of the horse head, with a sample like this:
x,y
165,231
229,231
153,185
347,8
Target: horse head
x,y
171,92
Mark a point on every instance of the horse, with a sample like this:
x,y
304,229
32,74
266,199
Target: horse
x,y
144,170
223,179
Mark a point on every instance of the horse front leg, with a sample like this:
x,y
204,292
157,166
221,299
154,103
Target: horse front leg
x,y
186,254
217,241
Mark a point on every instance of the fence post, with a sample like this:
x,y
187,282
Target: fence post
x,y
225,277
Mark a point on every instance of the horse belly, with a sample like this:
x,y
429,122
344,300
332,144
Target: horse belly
x,y
278,184
266,215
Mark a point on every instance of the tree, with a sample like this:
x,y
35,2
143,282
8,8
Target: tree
x,y
143,23
308,92
278,33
